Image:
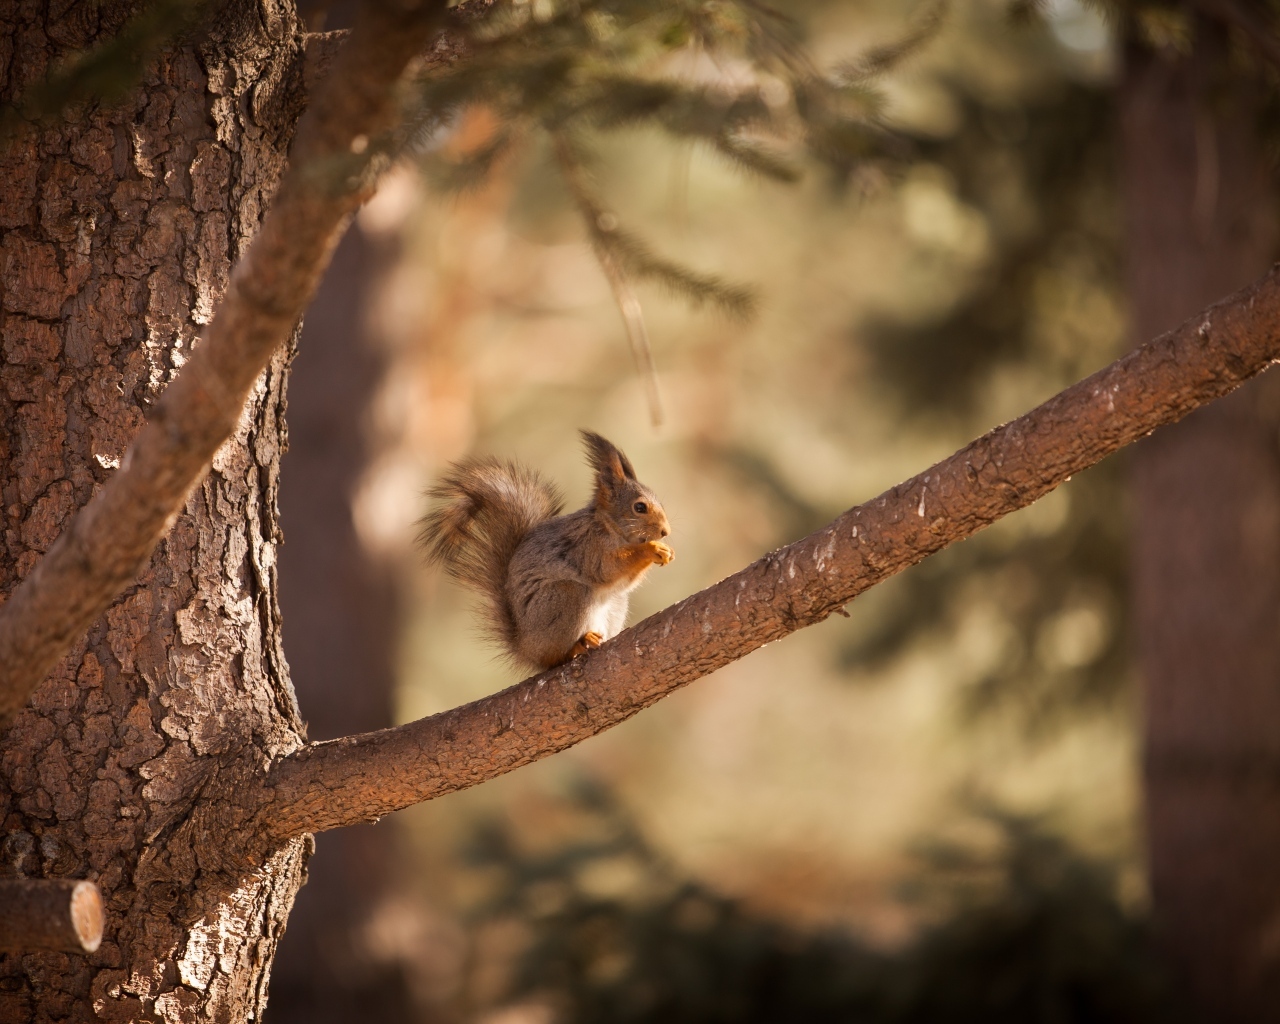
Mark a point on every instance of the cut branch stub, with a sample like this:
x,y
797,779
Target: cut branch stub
x,y
62,915
359,778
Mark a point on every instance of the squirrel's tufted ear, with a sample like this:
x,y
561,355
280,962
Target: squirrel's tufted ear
x,y
606,458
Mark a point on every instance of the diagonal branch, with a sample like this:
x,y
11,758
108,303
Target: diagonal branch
x,y
359,778
332,172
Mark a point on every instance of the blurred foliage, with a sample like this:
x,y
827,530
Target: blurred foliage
x,y
1251,29
732,76
1041,173
1024,929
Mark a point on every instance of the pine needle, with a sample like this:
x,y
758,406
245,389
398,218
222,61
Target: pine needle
x,y
637,333
881,59
470,171
623,294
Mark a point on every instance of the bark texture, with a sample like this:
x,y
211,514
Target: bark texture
x,y
1202,221
359,778
119,231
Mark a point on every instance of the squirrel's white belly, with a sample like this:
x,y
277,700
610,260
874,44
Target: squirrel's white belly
x,y
607,614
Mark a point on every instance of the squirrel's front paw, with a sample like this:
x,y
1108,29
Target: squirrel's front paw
x,y
660,553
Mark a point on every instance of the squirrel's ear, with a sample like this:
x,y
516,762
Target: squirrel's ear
x,y
611,466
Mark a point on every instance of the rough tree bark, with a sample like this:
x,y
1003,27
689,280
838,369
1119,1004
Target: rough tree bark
x,y
1202,221
120,228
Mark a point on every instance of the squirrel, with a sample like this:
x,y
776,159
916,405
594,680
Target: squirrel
x,y
554,586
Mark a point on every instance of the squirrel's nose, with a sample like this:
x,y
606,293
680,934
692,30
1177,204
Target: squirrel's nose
x,y
665,531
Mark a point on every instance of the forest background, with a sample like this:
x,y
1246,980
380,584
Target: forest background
x,y
930,810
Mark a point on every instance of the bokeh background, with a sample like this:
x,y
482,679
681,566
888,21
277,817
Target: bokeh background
x,y
926,811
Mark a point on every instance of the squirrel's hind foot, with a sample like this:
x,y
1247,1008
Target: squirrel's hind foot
x,y
588,641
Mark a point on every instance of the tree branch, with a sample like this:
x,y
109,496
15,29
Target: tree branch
x,y
359,778
335,162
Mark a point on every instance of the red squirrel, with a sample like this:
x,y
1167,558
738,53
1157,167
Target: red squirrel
x,y
554,585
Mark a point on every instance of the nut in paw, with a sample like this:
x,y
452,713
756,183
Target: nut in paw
x,y
660,553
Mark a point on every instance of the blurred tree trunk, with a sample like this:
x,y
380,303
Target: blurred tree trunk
x,y
340,612
1202,222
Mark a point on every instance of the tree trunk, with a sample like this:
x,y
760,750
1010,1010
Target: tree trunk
x,y
120,227
1202,222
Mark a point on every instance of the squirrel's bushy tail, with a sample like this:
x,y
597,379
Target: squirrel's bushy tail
x,y
482,509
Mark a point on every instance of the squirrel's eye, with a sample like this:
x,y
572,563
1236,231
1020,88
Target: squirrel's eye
x,y
640,507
